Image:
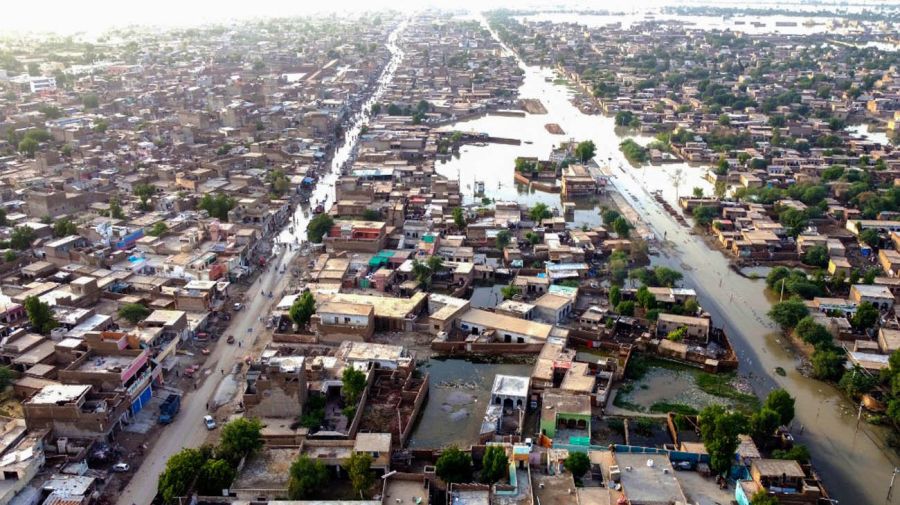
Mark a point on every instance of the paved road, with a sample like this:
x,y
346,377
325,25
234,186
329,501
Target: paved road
x,y
188,430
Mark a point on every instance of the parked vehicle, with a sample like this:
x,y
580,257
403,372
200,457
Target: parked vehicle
x,y
238,306
209,422
121,467
169,409
230,339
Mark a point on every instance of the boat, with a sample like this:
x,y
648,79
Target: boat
x,y
529,142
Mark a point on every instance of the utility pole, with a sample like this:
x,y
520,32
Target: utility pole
x,y
891,487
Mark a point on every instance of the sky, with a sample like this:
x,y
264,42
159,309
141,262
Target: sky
x,y
70,16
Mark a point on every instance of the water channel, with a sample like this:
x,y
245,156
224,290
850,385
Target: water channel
x,y
856,464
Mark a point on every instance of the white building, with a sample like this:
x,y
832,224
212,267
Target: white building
x,y
510,391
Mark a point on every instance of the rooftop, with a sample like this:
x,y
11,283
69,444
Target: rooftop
x,y
649,478
59,393
510,385
507,323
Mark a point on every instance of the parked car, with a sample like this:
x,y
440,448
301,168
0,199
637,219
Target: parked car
x,y
121,467
209,422
238,306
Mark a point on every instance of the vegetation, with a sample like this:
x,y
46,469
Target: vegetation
x,y
214,476
719,430
240,438
585,151
133,312
781,402
302,309
634,152
318,227
179,474
503,239
220,205
788,313
539,212
64,227
21,238
509,291
454,465
158,229
494,465
459,218
40,315
578,464
353,383
359,469
305,478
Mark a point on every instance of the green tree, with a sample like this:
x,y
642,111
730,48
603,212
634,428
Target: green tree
x,y
3,221
585,151
40,315
827,363
101,125
539,212
678,334
615,296
645,298
454,465
870,237
353,383
503,239
762,425
302,309
6,377
494,465
704,216
578,464
305,478
856,382
318,227
625,308
359,469
241,438
10,256
144,192
133,312
179,474
763,498
28,147
816,256
459,218
621,227
789,312
691,306
866,316
90,101
509,291
64,227
719,430
812,332
158,229
219,205
798,452
781,402
214,476
115,210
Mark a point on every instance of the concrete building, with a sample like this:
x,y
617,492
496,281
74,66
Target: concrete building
x,y
505,328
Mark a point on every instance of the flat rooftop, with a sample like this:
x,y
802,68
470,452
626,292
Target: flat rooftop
x,y
406,491
97,363
510,385
268,469
501,322
649,478
59,393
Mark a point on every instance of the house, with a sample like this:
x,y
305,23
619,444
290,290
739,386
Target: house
x,y
697,327
648,479
890,261
563,410
783,478
74,410
510,391
505,328
356,236
336,321
888,340
552,308
879,296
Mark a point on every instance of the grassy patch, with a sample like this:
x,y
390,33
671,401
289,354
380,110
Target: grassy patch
x,y
621,399
678,408
720,385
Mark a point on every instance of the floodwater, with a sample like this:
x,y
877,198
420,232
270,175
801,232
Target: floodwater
x,y
856,466
458,393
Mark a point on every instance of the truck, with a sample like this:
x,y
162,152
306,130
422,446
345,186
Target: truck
x,y
169,408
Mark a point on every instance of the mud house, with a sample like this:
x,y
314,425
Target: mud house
x,y
336,321
503,328
697,327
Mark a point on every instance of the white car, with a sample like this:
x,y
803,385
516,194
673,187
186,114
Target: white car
x,y
209,422
121,467
238,306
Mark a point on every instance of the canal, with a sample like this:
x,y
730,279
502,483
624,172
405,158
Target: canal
x,y
856,464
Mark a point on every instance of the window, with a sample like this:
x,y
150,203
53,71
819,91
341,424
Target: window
x,y
346,320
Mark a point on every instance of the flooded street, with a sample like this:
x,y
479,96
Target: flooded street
x,y
856,466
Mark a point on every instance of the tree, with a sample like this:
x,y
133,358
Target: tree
x,y
115,210
667,277
585,151
305,477
789,312
539,212
812,332
856,382
240,438
719,430
144,192
21,238
725,120
678,334
533,238
509,291
828,363
763,498
359,469
816,256
781,402
494,465
353,383
503,239
763,424
6,377
318,227
214,476
90,101
133,312
577,463
459,218
3,221
454,466
625,308
64,227
179,474
798,452
704,216
218,206
691,306
615,295
645,298
10,256
158,229
302,309
28,147
870,237
621,227
866,316
40,315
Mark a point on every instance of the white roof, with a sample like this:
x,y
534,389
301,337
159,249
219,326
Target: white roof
x,y
510,385
56,393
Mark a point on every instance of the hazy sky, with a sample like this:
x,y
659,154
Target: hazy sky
x,y
67,16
